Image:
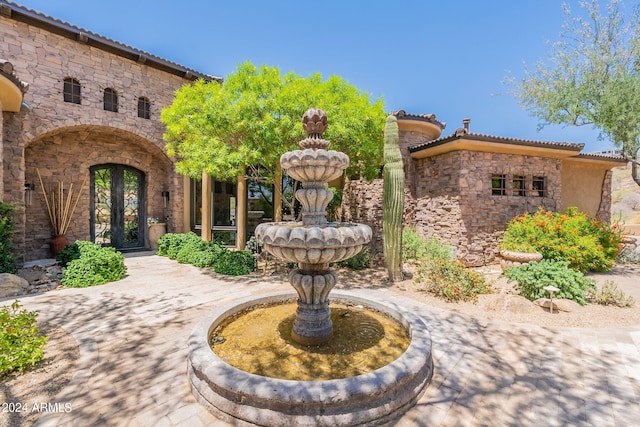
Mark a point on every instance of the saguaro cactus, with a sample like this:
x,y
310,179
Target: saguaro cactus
x,y
393,200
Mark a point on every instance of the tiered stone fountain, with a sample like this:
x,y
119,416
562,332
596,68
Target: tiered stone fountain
x,y
369,399
314,243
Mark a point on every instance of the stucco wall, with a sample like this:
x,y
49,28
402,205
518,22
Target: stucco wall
x,y
586,179
60,137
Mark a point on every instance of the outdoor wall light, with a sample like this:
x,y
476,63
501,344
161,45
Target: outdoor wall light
x,y
165,198
28,194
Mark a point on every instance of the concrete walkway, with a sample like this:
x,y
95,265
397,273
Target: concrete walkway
x,y
133,344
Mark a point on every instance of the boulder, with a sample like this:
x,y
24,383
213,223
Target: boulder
x,y
506,303
560,304
12,285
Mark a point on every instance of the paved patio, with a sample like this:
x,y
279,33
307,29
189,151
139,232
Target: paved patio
x,y
133,343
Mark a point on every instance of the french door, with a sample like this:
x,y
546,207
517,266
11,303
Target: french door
x,y
117,206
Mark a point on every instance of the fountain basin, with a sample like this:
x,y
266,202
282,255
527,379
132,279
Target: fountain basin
x,y
317,244
314,165
374,398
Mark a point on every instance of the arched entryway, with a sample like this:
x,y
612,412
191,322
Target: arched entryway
x,y
117,206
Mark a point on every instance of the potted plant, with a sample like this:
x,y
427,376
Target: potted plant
x,y
60,207
514,254
156,229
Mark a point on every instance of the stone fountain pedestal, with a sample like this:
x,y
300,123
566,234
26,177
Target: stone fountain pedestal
x,y
313,243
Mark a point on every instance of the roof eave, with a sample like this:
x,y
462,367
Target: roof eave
x,y
485,143
610,161
31,17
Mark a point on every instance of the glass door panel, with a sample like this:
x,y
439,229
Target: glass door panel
x,y
117,195
102,206
131,216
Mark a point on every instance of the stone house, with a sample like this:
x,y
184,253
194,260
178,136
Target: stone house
x,y
77,107
465,187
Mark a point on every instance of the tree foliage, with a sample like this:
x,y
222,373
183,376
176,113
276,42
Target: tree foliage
x,y
592,75
255,116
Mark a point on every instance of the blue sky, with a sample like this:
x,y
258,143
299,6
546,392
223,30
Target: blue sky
x,y
443,57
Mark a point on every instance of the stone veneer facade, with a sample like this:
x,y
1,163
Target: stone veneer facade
x,y
449,194
63,140
455,201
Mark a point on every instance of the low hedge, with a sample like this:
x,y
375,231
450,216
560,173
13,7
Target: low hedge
x,y
189,248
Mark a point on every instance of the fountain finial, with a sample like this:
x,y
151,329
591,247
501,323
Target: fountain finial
x,y
314,122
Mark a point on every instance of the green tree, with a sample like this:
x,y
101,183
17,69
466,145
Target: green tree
x,y
591,76
255,116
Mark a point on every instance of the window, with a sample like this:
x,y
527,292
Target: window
x,y
498,185
538,187
110,100
71,90
517,185
144,108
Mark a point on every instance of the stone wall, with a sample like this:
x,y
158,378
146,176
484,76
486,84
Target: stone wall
x,y
454,200
407,139
604,210
64,139
76,152
463,178
362,203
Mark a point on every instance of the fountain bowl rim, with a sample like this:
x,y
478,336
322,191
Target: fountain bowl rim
x,y
409,364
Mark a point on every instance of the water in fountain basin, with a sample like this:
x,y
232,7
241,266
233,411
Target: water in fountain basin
x,y
258,341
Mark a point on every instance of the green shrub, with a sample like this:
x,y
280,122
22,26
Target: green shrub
x,y
96,265
610,295
359,261
170,244
451,280
199,253
7,228
418,248
443,277
235,263
20,345
532,278
68,254
585,243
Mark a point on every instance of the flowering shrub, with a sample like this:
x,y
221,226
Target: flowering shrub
x,y
532,278
585,243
